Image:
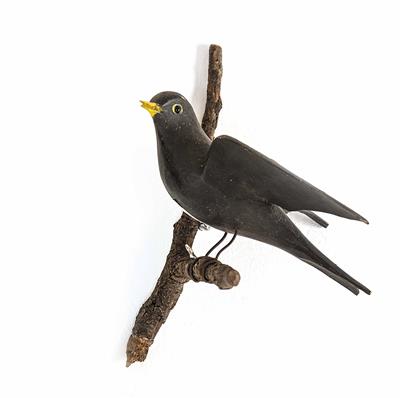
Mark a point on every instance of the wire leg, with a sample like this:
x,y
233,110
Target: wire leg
x,y
217,244
227,245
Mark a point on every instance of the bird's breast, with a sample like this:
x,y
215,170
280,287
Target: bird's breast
x,y
181,170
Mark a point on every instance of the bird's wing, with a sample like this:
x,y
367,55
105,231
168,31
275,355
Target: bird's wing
x,y
240,171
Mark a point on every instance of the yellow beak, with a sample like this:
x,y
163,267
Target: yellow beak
x,y
151,107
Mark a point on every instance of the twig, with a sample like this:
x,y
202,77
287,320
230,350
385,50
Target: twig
x,y
214,102
179,268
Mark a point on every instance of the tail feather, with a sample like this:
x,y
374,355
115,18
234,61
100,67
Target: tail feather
x,y
293,241
319,260
276,228
340,277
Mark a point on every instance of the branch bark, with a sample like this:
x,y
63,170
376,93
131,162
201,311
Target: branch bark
x,y
179,268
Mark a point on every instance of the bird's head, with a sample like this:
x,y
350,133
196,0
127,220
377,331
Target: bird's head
x,y
171,113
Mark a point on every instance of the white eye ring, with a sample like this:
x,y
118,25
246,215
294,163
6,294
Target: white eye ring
x,y
177,108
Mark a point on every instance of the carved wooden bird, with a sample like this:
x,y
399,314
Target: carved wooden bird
x,y
232,187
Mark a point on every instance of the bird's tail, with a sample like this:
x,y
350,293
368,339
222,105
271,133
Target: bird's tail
x,y
329,268
295,243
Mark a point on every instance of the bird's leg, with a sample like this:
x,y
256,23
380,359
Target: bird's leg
x,y
217,244
207,269
227,245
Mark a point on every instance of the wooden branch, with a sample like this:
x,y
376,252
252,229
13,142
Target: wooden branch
x,y
156,309
179,268
214,102
208,269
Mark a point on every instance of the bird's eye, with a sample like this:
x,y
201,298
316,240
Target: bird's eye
x,y
177,108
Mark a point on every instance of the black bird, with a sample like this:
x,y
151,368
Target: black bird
x,y
232,187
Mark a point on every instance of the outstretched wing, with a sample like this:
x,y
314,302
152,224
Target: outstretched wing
x,y
242,172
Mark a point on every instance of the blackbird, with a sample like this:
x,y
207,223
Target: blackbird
x,y
230,186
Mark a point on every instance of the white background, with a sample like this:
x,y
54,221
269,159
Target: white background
x,y
85,222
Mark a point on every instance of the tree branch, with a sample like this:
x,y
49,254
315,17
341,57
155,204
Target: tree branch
x,y
214,102
179,268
